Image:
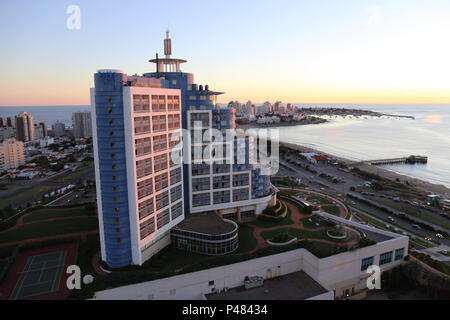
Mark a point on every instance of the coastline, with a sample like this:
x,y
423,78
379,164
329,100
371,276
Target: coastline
x,y
255,125
385,173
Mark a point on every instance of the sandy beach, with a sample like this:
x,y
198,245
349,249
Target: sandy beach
x,y
420,184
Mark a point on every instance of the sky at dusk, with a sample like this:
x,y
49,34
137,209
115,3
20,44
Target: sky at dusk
x,y
347,51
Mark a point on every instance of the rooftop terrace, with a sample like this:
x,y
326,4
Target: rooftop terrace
x,y
206,222
293,286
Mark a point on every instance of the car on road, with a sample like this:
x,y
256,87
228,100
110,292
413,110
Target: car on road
x,y
428,238
391,219
440,236
415,226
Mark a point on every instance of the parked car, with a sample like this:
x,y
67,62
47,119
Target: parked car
x,y
440,236
415,226
391,219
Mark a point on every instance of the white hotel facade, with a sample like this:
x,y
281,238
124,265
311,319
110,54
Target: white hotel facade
x,y
141,193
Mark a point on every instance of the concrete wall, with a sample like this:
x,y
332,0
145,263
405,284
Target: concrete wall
x,y
159,244
194,285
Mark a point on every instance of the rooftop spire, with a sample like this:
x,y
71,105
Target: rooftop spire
x,y
167,45
168,64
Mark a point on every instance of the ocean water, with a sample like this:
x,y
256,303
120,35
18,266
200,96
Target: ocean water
x,y
379,138
47,115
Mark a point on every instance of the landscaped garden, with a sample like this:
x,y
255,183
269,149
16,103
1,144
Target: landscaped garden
x,y
282,237
315,222
334,210
337,232
291,221
309,235
319,200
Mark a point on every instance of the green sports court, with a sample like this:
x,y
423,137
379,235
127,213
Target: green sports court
x,y
41,275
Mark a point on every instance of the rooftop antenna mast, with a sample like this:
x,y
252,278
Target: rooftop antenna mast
x,y
167,64
167,45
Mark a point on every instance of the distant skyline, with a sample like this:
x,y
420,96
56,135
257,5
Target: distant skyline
x,y
311,52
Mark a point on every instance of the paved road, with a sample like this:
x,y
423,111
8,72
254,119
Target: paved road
x,y
49,184
340,190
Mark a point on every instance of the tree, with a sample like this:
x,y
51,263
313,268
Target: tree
x,y
9,210
377,185
54,147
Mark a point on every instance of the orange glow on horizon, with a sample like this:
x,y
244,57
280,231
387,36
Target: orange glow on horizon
x,y
434,118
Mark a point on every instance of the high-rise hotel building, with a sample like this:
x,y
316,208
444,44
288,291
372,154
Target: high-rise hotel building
x,y
24,127
143,194
82,124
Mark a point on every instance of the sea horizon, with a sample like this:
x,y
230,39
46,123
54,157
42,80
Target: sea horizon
x,y
347,138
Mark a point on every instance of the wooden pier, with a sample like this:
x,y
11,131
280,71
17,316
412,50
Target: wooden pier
x,y
406,160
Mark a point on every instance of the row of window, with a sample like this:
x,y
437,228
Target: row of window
x,y
384,258
173,102
219,182
205,169
158,124
143,146
198,237
204,248
204,199
145,107
148,227
163,218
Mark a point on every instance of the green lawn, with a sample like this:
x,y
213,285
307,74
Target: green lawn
x,y
301,194
268,224
303,234
50,228
334,210
312,224
23,195
247,241
319,200
74,175
49,213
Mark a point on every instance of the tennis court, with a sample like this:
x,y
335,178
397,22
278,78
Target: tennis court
x,y
41,274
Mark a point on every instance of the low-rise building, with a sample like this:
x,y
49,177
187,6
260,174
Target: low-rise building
x,y
11,154
301,273
7,133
